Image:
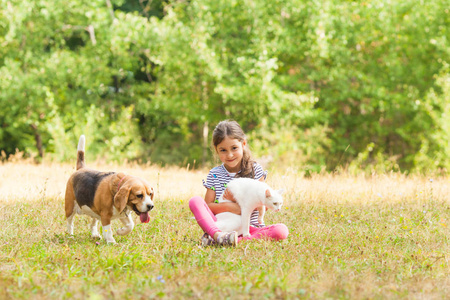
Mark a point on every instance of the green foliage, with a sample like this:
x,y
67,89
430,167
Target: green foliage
x,y
317,83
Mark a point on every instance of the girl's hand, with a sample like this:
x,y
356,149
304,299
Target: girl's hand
x,y
233,208
218,208
228,195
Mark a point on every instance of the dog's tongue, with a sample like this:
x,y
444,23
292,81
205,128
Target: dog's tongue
x,y
145,218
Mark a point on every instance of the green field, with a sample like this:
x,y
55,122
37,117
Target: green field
x,y
364,237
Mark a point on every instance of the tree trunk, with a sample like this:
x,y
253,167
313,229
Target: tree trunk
x,y
205,142
38,140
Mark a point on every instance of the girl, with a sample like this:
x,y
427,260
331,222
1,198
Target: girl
x,y
230,145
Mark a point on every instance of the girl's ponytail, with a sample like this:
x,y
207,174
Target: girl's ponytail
x,y
247,162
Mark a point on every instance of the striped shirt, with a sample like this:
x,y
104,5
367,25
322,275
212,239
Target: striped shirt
x,y
218,179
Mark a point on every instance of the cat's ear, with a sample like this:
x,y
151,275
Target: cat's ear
x,y
281,192
268,193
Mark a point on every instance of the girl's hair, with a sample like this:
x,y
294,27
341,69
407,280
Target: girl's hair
x,y
233,130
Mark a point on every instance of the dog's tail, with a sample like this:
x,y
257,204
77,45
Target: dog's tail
x,y
80,154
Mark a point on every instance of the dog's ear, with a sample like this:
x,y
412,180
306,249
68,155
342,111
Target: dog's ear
x,y
268,194
121,198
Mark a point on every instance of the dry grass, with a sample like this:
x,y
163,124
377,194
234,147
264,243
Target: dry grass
x,y
26,181
377,237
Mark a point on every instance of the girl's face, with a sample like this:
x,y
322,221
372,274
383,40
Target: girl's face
x,y
230,152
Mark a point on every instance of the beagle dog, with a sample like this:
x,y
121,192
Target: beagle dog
x,y
106,196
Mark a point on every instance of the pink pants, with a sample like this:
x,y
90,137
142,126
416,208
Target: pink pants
x,y
206,219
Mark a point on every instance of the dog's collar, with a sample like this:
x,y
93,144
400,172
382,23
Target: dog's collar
x,y
118,185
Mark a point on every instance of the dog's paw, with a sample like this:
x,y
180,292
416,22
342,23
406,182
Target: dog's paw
x,y
96,236
124,230
111,242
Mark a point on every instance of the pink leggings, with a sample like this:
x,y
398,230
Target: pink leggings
x,y
206,219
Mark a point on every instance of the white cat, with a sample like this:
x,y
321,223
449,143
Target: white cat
x,y
249,194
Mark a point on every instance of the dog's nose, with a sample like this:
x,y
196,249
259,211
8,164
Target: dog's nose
x,y
149,207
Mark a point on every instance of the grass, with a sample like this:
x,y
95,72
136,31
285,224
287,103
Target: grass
x,y
364,237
